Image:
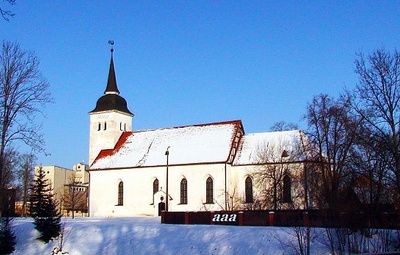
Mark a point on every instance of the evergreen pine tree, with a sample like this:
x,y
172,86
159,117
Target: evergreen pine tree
x,y
7,236
47,218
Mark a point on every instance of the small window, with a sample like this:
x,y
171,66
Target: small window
x,y
287,189
249,190
99,127
155,186
120,193
124,126
209,191
120,126
105,125
184,191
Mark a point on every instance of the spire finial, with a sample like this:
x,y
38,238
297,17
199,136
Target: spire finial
x,y
112,80
111,42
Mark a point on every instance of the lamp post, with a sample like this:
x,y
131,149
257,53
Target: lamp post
x,y
167,196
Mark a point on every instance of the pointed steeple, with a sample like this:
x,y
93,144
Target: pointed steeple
x,y
111,100
112,80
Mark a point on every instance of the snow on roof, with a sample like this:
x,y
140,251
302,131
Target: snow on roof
x,y
270,146
187,145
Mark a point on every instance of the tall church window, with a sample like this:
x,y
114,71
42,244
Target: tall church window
x,y
287,189
155,186
209,191
120,193
248,190
183,191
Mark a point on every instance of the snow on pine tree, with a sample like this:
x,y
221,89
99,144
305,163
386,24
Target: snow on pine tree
x,y
47,218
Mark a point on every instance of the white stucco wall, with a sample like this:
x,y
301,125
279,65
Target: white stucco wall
x,y
138,189
240,173
140,200
112,124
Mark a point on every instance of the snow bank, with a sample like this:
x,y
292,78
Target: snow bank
x,y
146,235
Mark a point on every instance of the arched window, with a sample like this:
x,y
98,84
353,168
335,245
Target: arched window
x,y
248,190
209,191
120,193
287,189
184,191
155,186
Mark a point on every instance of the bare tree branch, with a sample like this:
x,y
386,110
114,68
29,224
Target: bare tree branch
x,y
333,130
378,102
6,14
23,95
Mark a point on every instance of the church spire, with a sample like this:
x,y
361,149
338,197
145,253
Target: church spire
x,y
112,80
111,100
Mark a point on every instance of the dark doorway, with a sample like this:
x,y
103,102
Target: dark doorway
x,y
161,207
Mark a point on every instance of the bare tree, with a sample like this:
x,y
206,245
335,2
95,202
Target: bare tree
x,y
23,95
300,241
280,175
283,126
370,164
234,200
269,177
332,131
6,14
9,168
25,175
378,102
75,196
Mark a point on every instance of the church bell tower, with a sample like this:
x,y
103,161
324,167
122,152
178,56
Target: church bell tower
x,y
110,118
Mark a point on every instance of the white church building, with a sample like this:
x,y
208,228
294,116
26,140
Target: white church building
x,y
203,167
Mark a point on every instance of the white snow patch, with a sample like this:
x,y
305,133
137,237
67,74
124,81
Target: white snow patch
x,y
291,141
146,235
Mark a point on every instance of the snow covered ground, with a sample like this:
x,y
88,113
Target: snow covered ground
x,y
146,235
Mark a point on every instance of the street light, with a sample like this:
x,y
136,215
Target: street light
x,y
167,196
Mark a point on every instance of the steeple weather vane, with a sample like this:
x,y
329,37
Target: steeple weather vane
x,y
111,42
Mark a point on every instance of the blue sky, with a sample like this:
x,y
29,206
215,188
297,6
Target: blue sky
x,y
191,62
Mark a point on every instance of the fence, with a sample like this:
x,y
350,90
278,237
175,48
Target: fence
x,y
287,218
